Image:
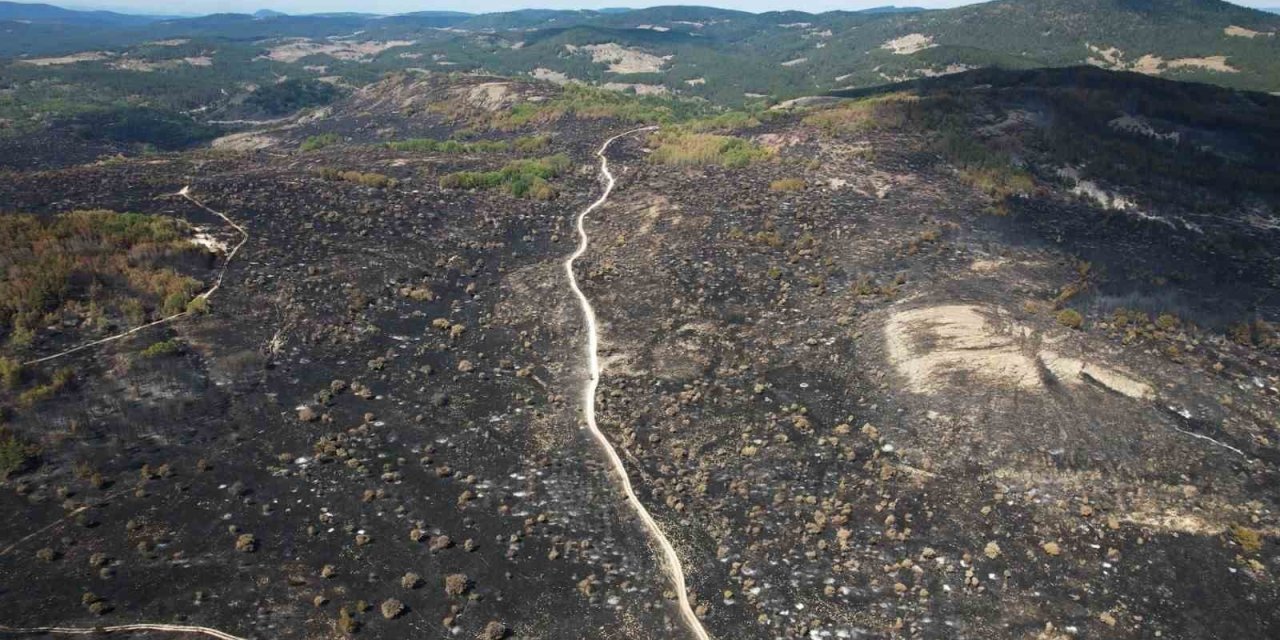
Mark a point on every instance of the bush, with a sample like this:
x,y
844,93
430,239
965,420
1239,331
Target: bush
x,y
1250,540
16,455
321,141
198,305
162,348
1070,318
375,180
532,144
456,584
787,184
10,373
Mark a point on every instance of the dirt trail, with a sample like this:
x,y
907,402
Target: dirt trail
x,y
244,237
121,628
671,561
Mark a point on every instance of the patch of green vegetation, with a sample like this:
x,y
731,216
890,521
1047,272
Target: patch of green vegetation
x,y
992,172
1070,318
163,348
45,390
886,111
593,103
427,145
685,148
531,144
280,98
16,454
522,178
523,144
91,265
1250,540
143,125
198,305
315,143
369,179
730,121
10,373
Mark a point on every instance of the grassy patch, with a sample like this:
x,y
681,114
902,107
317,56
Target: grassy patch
x,y
522,178
787,184
593,103
1070,318
315,143
889,111
686,148
523,144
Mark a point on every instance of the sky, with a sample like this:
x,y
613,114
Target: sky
x,y
193,7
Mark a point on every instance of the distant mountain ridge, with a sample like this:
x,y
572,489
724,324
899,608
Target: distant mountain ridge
x,y
50,14
723,55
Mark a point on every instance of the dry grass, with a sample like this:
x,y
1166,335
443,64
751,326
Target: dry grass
x,y
684,148
788,184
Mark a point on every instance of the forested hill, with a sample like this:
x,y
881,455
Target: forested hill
x,y
210,65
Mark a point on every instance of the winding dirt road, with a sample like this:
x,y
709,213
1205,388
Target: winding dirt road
x,y
671,561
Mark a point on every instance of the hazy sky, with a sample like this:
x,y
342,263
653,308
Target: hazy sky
x,y
185,7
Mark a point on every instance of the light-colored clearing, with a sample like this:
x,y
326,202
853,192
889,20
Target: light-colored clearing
x,y
244,141
957,346
489,96
1211,63
543,73
147,66
987,266
1113,58
622,59
300,48
86,56
932,347
908,44
1241,32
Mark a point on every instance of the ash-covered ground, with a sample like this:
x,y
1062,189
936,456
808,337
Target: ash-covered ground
x,y
856,407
